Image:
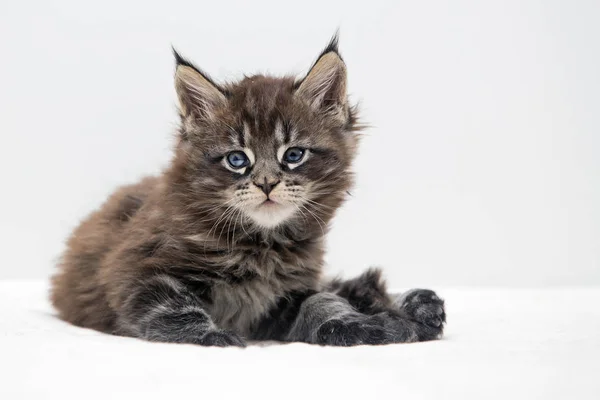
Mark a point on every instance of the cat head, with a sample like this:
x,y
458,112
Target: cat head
x,y
265,152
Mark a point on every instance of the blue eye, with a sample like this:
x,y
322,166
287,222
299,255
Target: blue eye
x,y
293,155
237,159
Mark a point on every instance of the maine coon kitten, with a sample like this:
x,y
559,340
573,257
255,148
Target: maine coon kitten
x,y
227,244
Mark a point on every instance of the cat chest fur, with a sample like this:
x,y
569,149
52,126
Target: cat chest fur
x,y
267,275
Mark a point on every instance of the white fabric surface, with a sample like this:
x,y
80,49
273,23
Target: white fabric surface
x,y
500,344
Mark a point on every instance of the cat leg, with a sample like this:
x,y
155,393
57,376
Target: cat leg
x,y
328,319
368,294
162,309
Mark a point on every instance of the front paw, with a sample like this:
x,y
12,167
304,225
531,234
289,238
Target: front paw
x,y
423,306
222,339
339,332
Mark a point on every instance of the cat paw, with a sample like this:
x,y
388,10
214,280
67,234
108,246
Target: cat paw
x,y
222,339
338,332
423,306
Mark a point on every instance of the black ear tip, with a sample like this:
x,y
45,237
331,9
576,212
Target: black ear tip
x,y
333,45
179,60
182,61
334,42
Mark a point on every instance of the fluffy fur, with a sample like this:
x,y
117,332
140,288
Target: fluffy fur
x,y
215,253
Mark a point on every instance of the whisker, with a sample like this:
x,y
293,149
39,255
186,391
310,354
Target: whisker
x,y
316,219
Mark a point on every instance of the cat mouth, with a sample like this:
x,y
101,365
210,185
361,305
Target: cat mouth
x,y
270,213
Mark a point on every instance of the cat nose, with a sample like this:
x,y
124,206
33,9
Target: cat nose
x,y
267,185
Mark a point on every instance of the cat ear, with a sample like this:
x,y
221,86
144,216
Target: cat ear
x,y
198,95
324,87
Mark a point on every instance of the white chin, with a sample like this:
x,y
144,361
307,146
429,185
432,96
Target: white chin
x,y
269,216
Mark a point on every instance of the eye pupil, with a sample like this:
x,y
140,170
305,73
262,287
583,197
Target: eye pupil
x,y
293,155
237,159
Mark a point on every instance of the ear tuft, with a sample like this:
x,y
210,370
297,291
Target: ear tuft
x,y
198,95
324,87
332,46
179,60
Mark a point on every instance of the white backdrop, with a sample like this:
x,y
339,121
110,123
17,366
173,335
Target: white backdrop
x,y
482,165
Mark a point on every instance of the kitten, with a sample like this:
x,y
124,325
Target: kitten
x,y
227,244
